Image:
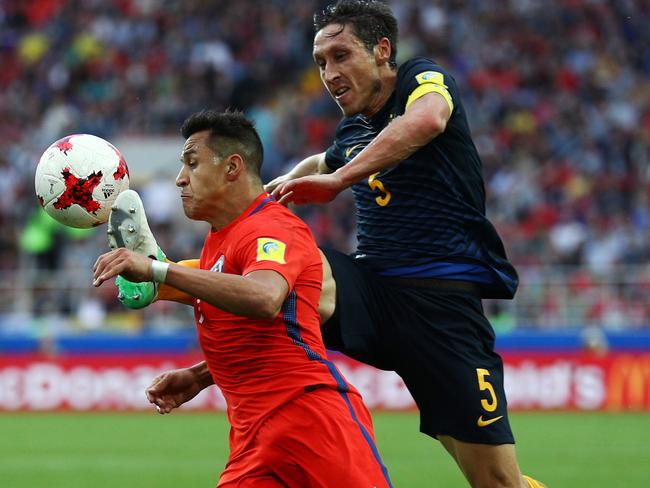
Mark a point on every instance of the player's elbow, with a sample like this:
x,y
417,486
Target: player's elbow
x,y
427,118
434,125
267,312
266,307
426,129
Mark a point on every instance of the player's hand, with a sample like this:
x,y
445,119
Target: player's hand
x,y
132,266
173,388
309,189
272,185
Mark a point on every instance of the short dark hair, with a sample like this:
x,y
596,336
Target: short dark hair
x,y
371,20
230,133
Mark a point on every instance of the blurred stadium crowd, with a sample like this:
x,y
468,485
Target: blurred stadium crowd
x,y
558,96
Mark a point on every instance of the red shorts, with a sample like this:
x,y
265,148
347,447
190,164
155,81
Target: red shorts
x,y
321,439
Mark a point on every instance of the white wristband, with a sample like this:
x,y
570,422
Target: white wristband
x,y
159,271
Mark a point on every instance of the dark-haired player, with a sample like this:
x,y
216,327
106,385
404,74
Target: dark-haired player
x,y
295,421
409,299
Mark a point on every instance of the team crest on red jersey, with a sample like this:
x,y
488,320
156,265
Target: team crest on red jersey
x,y
218,266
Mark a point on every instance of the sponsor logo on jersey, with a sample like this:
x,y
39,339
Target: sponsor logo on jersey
x,y
349,150
270,250
218,266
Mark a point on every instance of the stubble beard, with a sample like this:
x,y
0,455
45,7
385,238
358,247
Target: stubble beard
x,y
375,91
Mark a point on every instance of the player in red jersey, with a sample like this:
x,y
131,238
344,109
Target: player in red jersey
x,y
295,421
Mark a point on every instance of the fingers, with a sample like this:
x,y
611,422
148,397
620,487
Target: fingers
x,y
156,387
286,199
271,185
133,267
99,269
156,396
163,408
274,183
276,192
107,266
284,193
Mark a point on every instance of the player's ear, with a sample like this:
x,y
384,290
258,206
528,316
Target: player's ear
x,y
234,167
383,50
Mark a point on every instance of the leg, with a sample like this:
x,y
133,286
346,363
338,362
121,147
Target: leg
x,y
248,470
350,309
324,439
486,465
450,367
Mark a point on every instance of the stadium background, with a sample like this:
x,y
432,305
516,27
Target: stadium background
x,y
558,97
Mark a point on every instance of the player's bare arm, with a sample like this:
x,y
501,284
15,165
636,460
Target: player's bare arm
x,y
423,120
326,304
259,294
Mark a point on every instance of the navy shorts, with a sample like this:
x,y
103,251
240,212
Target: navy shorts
x,y
436,338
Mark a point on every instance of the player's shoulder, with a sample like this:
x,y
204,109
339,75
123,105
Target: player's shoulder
x,y
419,66
279,224
274,215
419,63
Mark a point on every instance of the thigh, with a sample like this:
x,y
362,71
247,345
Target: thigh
x,y
444,352
355,328
248,471
324,438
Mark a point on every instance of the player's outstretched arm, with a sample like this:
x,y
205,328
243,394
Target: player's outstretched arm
x,y
171,389
260,294
423,120
312,165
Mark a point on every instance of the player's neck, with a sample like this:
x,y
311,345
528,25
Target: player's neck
x,y
238,199
388,79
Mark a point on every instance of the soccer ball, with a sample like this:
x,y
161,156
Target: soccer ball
x,y
78,178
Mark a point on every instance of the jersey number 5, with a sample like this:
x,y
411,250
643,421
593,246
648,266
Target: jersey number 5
x,y
377,185
491,404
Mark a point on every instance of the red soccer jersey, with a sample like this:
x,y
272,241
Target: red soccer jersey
x,y
260,365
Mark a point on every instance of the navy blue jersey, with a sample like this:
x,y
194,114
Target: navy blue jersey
x,y
425,217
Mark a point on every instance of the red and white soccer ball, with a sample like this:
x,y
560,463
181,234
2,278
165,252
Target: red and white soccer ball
x,y
78,178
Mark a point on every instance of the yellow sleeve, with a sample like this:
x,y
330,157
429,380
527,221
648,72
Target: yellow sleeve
x,y
166,292
431,82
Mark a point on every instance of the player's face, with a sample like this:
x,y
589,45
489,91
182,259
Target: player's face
x,y
349,72
201,179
